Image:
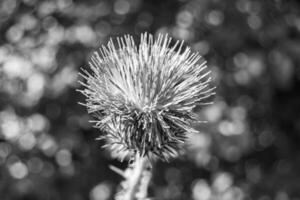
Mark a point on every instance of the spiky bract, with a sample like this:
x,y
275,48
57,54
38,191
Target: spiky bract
x,y
143,97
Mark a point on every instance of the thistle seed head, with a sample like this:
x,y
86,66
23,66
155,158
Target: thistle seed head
x,y
142,97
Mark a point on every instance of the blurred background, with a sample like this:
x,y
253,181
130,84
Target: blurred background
x,y
250,147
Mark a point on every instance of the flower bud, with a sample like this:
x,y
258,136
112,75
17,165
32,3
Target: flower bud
x,y
142,97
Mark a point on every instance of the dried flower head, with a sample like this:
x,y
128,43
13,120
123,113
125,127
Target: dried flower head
x,y
143,97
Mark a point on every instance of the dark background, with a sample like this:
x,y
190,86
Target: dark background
x,y
249,149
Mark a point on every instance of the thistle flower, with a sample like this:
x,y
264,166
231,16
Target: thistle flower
x,y
142,98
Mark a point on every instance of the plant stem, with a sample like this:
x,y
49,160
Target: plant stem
x,y
137,180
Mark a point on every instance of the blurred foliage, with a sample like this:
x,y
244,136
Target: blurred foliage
x,y
248,150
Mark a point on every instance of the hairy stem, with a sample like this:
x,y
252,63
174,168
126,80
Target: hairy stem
x,y
136,182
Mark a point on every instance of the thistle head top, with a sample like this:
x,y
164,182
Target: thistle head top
x,y
142,97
